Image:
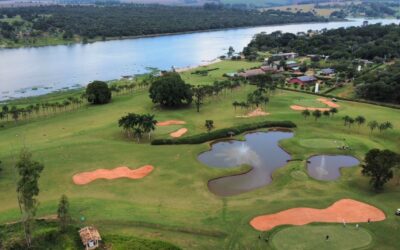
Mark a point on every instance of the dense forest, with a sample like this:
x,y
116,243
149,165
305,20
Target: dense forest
x,y
91,22
370,42
381,85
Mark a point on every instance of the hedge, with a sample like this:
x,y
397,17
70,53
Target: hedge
x,y
387,105
223,133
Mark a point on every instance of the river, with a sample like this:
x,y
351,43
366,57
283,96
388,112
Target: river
x,y
34,71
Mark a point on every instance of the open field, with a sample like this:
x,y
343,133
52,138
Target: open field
x,y
306,8
173,203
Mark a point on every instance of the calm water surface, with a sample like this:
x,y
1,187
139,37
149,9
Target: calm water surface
x,y
327,167
259,150
34,71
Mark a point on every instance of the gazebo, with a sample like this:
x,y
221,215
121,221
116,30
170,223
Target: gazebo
x,y
90,237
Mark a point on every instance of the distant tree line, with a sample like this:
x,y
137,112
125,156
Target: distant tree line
x,y
373,41
137,20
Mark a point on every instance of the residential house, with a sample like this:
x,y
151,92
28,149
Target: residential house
x,y
303,80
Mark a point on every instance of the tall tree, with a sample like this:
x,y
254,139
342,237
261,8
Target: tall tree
x,y
28,189
98,92
360,120
317,114
373,125
306,113
379,166
199,92
148,123
63,215
171,91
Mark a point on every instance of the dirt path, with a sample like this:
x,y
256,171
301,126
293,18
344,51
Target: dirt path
x,y
110,174
342,211
179,133
170,122
301,108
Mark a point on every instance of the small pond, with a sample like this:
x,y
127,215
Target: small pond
x,y
327,167
260,150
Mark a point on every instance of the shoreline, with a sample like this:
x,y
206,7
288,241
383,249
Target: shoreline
x,y
95,40
66,91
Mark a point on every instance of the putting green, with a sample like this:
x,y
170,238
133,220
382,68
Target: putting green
x,y
314,237
321,143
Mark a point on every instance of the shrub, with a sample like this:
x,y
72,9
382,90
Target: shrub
x,y
171,91
98,92
224,133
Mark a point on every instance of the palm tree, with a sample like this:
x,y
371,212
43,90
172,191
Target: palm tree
x,y
317,114
350,121
346,119
235,104
5,110
306,113
148,124
360,120
384,126
137,133
333,111
373,125
2,115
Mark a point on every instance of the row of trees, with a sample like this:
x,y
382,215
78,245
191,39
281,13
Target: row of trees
x,y
170,90
97,92
318,113
136,125
372,125
40,109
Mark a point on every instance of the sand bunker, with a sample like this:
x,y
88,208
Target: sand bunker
x,y
329,103
110,174
179,133
301,108
254,113
171,122
342,211
323,100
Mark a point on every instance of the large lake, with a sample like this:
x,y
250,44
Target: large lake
x,y
34,71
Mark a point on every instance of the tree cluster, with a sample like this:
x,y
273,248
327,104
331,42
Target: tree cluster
x,y
382,85
135,125
344,43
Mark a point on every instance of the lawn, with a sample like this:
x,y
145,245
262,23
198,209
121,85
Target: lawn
x,y
223,67
314,237
173,203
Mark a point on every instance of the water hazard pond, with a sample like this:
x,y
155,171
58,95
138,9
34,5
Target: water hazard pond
x,y
260,150
327,167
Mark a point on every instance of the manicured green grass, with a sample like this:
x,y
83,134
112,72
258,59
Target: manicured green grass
x,y
309,102
314,237
322,143
173,203
224,67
